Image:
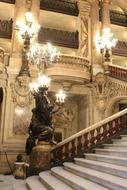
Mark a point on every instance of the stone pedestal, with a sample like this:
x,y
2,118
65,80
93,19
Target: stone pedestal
x,y
40,157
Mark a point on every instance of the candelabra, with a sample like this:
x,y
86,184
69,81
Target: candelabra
x,y
106,42
26,31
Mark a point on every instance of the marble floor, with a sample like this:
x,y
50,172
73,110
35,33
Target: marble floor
x,y
7,181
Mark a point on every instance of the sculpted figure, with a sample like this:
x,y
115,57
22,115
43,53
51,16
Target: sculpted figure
x,y
41,127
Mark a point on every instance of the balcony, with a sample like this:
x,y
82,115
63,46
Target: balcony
x,y
70,68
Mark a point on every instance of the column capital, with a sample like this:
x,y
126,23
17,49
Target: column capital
x,y
84,7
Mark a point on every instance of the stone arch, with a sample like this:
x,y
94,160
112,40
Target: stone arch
x,y
108,111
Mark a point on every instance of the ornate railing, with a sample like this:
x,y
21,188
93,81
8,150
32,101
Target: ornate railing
x,y
73,61
8,1
118,72
59,37
6,29
89,138
68,67
116,17
63,6
120,49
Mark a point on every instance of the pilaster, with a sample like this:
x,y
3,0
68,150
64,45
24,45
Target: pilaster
x,y
19,18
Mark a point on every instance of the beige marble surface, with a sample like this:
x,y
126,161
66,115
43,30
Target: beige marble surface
x,y
7,181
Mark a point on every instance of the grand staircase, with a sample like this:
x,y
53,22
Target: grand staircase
x,y
102,168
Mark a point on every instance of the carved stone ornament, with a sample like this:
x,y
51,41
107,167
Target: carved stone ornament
x,y
20,91
2,60
102,91
105,89
84,9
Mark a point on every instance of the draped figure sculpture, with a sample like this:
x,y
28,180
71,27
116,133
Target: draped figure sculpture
x,y
41,127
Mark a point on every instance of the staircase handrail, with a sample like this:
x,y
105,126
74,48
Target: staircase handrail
x,y
118,72
118,66
88,138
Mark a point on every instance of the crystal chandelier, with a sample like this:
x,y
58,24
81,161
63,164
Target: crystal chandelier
x,y
106,42
28,29
45,55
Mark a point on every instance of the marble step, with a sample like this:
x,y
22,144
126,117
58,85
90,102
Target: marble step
x,y
109,181
119,141
51,182
112,152
118,146
108,159
123,137
75,181
112,169
34,183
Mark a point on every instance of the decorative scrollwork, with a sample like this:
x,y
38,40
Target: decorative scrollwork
x,y
20,91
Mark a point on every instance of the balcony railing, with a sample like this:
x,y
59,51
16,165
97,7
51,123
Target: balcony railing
x,y
69,67
116,17
89,138
118,72
120,49
8,1
6,29
63,6
59,37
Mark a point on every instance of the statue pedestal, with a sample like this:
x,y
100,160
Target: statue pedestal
x,y
40,157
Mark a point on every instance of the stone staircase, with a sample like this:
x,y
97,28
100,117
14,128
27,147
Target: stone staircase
x,y
103,170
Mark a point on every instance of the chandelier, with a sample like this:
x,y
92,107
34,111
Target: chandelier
x,y
106,42
27,29
43,56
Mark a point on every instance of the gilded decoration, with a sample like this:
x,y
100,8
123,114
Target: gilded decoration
x,y
63,118
20,91
22,99
104,89
84,8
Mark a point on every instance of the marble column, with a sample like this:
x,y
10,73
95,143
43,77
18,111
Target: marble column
x,y
35,10
19,18
96,57
105,14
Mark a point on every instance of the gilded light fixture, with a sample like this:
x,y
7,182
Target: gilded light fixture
x,y
106,42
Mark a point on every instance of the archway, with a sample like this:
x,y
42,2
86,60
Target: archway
x,y
115,105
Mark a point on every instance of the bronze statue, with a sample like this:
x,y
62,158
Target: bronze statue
x,y
40,127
